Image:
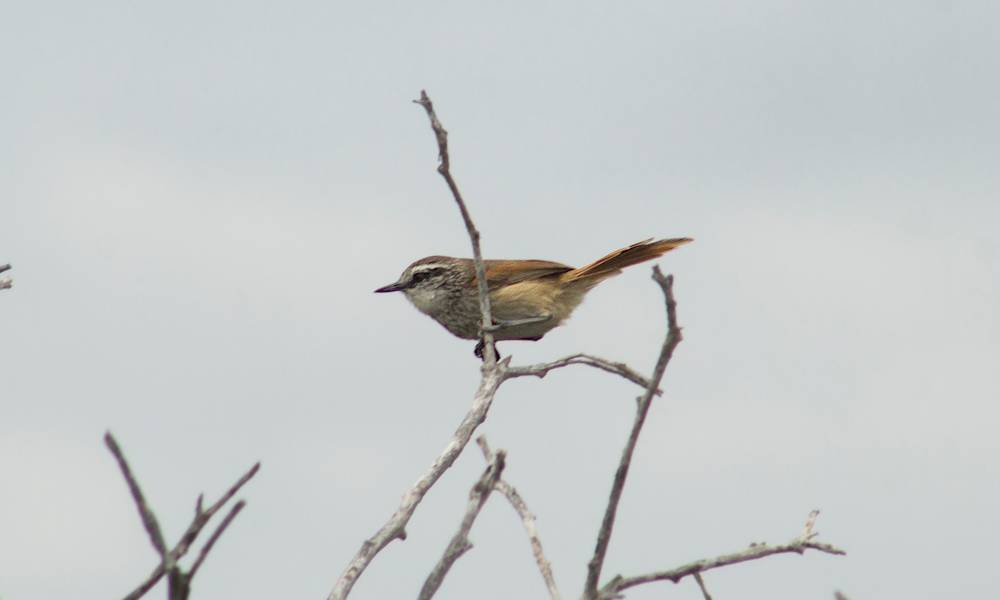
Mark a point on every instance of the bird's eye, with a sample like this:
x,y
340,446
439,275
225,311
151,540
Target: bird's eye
x,y
423,275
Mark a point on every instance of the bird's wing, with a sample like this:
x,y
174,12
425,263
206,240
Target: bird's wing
x,y
501,273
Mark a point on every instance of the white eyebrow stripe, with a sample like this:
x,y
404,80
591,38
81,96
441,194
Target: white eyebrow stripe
x,y
427,267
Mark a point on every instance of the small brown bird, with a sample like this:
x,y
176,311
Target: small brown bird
x,y
527,297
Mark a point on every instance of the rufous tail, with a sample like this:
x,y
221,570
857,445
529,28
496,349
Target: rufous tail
x,y
613,263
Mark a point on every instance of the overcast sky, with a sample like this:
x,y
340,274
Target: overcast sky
x,y
198,199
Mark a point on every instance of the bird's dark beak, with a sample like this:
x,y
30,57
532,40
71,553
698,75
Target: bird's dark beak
x,y
392,287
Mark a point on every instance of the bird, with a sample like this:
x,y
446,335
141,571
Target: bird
x,y
528,298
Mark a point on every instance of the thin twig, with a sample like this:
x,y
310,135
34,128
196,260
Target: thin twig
x,y
145,513
607,524
395,528
459,543
201,518
542,369
807,529
527,520
441,134
756,551
235,510
701,586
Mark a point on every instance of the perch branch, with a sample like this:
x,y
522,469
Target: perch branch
x,y
607,525
459,543
493,376
444,168
756,551
542,369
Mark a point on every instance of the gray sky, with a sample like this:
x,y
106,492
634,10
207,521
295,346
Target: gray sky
x,y
198,199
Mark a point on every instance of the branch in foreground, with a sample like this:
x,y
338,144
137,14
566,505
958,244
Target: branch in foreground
x,y
527,519
179,582
395,528
542,369
489,350
460,544
798,545
673,338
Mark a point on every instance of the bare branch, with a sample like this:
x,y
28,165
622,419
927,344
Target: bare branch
x,y
527,520
235,510
179,581
395,527
489,350
807,529
607,525
201,518
145,513
701,586
460,544
542,369
798,545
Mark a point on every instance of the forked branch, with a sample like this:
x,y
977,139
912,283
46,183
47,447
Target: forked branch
x,y
395,528
527,520
179,581
459,543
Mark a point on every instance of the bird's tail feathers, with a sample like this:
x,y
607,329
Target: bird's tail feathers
x,y
613,263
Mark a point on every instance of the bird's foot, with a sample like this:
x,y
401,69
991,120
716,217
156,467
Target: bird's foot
x,y
480,350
